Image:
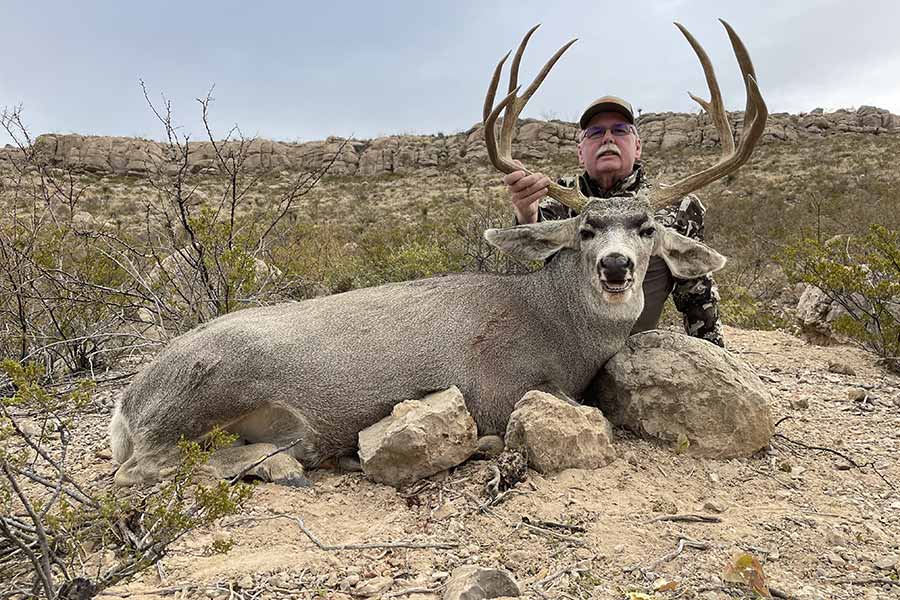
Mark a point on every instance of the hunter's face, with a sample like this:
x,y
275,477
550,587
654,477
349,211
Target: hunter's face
x,y
604,152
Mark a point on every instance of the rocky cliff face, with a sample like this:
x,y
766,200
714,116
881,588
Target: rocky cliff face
x,y
407,153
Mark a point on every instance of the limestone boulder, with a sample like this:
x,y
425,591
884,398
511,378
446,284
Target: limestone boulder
x,y
556,435
419,438
471,582
688,393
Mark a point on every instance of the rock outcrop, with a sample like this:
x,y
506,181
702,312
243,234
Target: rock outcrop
x,y
688,393
408,153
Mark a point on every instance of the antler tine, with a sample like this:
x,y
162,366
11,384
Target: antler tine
x,y
755,116
715,108
500,152
743,58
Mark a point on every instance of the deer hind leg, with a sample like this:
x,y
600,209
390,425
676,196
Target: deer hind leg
x,y
281,468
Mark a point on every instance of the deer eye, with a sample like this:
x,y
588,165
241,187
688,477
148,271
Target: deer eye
x,y
586,234
648,232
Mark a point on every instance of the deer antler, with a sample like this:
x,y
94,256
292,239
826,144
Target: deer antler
x,y
755,115
501,153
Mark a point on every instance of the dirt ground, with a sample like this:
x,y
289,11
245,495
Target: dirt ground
x,y
820,527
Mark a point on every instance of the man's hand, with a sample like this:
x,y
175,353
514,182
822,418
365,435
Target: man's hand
x,y
525,191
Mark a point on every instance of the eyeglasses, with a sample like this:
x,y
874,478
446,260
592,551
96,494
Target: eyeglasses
x,y
596,133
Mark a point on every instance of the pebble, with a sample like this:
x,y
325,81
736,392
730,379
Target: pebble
x,y
888,562
374,586
713,506
835,559
856,394
841,368
245,582
439,575
800,403
836,538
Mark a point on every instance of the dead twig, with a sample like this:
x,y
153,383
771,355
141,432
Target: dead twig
x,y
852,462
540,586
415,590
685,518
683,542
550,533
553,525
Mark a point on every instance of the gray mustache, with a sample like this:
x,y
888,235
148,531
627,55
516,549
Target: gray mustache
x,y
609,148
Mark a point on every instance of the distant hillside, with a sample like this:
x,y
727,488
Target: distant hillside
x,y
406,154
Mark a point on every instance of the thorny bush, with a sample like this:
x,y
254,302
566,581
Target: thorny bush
x,y
59,537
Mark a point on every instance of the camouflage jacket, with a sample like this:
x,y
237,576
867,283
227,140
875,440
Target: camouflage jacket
x,y
696,299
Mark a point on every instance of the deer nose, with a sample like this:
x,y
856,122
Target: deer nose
x,y
615,265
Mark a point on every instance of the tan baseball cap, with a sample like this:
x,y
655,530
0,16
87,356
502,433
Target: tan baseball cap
x,y
606,104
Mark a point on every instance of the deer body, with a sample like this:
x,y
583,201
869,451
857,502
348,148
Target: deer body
x,y
325,369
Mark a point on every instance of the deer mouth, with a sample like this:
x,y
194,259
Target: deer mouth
x,y
616,287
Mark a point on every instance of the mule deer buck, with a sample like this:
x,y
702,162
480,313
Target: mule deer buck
x,y
321,370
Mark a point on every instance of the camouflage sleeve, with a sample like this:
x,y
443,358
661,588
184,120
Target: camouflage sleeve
x,y
553,210
697,299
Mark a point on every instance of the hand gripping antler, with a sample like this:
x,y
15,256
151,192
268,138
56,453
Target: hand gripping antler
x,y
501,153
755,115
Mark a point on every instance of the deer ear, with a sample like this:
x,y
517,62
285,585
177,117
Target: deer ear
x,y
687,258
536,241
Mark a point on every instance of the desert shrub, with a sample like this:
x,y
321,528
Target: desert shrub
x,y
863,276
56,533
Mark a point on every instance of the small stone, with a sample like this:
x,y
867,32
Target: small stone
x,y
439,575
245,582
856,394
583,554
841,368
888,562
836,538
470,582
800,403
374,586
714,506
714,477
444,511
835,559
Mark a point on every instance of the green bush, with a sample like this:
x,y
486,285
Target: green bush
x,y
863,276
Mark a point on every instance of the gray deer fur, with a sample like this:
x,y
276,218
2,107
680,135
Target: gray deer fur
x,y
324,369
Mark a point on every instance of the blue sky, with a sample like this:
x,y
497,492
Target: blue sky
x,y
301,71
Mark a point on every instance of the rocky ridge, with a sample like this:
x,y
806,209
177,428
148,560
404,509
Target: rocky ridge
x,y
405,154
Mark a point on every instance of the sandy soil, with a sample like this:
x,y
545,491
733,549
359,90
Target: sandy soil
x,y
815,522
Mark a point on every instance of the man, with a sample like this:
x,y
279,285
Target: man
x,y
610,151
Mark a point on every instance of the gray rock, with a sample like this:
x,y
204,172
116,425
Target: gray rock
x,y
841,368
686,392
555,434
419,438
470,582
374,586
